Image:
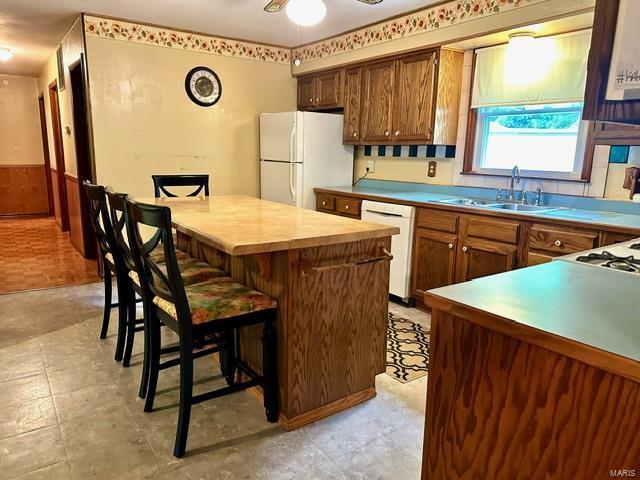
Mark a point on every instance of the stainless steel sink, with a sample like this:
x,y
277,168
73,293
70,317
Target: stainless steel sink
x,y
465,201
518,207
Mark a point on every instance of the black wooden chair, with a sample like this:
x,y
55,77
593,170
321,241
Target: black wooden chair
x,y
192,271
160,182
200,314
112,263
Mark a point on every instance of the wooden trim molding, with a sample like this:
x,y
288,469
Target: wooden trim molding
x,y
137,32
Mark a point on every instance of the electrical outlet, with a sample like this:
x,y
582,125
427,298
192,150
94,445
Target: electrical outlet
x,y
371,165
431,169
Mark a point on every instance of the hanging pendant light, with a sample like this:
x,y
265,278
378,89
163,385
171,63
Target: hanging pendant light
x,y
306,12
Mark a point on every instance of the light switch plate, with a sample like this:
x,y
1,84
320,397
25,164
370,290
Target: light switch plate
x,y
371,165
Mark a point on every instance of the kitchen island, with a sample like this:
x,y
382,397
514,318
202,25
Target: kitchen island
x,y
534,373
330,276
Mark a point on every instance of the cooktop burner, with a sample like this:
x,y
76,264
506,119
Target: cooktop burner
x,y
606,259
635,246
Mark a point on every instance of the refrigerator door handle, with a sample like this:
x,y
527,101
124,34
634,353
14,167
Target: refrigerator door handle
x,y
292,143
291,188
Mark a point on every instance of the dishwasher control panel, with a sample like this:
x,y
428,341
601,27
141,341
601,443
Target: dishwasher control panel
x,y
388,209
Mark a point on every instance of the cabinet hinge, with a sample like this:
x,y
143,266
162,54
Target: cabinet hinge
x,y
435,61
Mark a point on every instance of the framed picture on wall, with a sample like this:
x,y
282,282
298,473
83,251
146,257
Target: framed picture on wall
x,y
61,79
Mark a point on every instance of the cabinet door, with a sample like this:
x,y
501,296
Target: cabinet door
x,y
306,92
378,102
414,97
607,133
434,257
479,258
328,90
352,102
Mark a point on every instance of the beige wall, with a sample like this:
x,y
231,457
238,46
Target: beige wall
x,y
20,138
145,124
71,48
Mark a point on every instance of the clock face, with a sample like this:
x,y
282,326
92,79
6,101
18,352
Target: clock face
x,y
203,86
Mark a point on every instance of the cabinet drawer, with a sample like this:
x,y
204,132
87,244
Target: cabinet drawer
x,y
325,202
437,220
348,206
490,229
534,258
557,240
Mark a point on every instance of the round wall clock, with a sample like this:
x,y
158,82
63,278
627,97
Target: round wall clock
x,y
203,86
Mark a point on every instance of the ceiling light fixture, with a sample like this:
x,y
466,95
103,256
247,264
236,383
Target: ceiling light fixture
x,y
306,12
5,54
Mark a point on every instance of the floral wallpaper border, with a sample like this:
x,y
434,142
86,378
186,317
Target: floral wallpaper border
x,y
443,15
164,37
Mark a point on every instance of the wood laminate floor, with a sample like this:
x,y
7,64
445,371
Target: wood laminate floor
x,y
69,411
34,253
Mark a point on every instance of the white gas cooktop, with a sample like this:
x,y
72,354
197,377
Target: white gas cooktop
x,y
622,257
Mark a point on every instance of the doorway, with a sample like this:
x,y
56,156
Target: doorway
x,y
45,150
84,163
62,209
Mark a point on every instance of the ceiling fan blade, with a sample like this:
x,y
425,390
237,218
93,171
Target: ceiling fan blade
x,y
370,2
274,6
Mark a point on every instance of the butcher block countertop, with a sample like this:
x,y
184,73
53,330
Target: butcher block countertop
x,y
242,225
580,311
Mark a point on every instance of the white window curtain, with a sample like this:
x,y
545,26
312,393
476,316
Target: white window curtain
x,y
532,71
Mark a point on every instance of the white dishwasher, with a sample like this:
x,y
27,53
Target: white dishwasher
x,y
400,216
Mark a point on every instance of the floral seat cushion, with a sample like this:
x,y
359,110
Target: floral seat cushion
x,y
192,271
217,299
157,255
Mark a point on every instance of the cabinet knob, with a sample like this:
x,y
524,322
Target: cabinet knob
x,y
397,132
386,134
450,246
465,249
311,100
324,203
318,99
355,134
346,207
558,243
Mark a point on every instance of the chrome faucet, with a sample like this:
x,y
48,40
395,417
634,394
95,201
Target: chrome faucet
x,y
538,199
515,179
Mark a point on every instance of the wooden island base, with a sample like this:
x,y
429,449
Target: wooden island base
x,y
332,320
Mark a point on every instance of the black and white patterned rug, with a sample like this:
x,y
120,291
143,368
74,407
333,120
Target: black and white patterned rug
x,y
407,349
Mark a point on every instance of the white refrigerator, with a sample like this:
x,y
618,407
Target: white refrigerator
x,y
300,151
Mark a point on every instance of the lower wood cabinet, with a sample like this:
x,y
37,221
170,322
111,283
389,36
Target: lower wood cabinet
x,y
545,242
434,260
480,258
337,205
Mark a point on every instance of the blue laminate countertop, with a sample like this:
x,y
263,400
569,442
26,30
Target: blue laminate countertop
x,y
576,209
596,307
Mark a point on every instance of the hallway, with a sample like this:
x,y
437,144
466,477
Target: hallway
x,y
34,254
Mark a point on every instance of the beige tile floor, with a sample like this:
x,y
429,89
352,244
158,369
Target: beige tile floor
x,y
69,411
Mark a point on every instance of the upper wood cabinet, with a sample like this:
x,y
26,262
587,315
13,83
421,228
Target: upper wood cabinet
x,y
377,102
413,99
607,133
596,105
352,102
409,99
320,91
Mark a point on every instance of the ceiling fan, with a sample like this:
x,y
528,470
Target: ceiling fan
x,y
274,6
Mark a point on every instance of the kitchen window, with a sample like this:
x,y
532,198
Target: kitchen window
x,y
526,108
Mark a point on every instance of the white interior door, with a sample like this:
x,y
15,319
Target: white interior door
x,y
281,182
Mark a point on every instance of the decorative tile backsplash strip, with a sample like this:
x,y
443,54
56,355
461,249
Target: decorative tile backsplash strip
x,y
443,15
164,37
619,154
411,151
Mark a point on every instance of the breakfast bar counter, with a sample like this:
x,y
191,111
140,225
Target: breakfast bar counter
x,y
330,276
534,373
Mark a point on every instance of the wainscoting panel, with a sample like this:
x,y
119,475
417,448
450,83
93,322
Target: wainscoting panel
x,y
23,190
55,193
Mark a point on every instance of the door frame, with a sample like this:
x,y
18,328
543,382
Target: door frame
x,y
56,124
45,151
84,158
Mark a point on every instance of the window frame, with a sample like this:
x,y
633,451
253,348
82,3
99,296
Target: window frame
x,y
586,144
